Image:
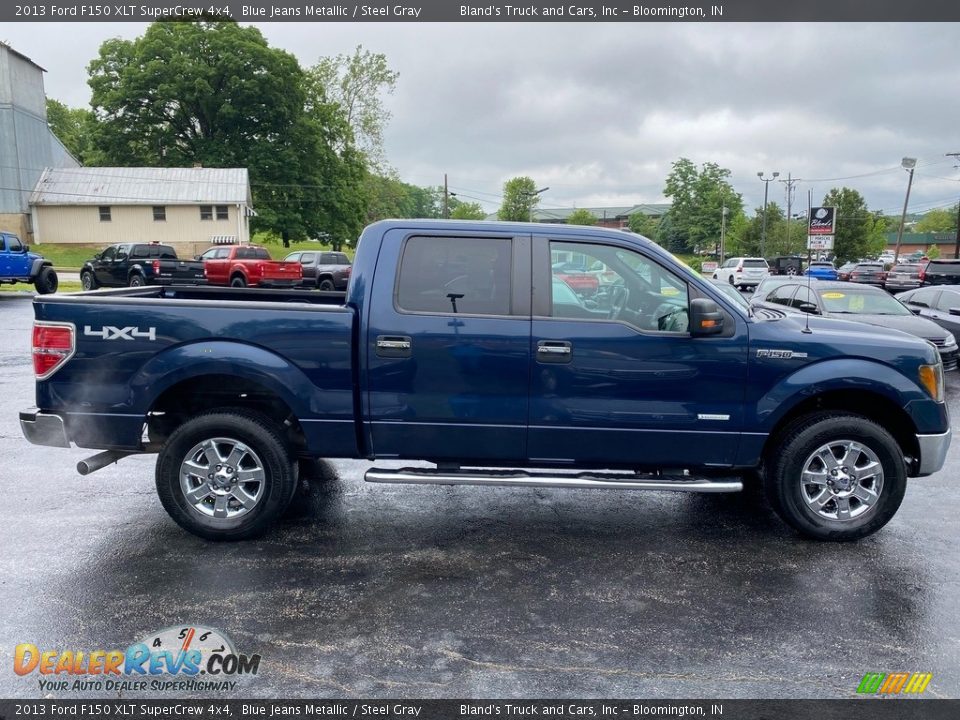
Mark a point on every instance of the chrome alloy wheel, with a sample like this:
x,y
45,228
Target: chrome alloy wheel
x,y
222,478
842,480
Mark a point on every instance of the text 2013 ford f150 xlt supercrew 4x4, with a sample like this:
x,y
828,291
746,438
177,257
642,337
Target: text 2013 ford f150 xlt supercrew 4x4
x,y
458,344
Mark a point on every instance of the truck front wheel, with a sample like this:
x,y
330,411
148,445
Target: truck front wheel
x,y
835,476
47,281
226,475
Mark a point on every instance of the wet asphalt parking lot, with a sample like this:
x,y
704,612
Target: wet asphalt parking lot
x,y
418,592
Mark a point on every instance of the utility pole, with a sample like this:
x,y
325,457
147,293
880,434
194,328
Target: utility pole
x,y
446,198
723,228
908,164
789,183
766,187
956,249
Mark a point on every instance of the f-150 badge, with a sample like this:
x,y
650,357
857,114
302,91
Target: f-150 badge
x,y
779,354
109,332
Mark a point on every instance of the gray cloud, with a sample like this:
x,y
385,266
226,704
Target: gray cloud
x,y
599,111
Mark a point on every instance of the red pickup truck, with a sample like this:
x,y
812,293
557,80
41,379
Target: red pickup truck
x,y
248,266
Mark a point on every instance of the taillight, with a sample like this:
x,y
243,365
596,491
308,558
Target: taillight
x,y
53,345
922,274
156,267
740,268
348,271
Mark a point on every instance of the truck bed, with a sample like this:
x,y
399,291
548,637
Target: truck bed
x,y
136,346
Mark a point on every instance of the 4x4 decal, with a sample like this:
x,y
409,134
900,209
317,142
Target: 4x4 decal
x,y
109,332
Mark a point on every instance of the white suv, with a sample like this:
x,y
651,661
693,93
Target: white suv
x,y
743,272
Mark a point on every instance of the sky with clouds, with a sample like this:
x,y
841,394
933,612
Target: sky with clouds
x,y
598,112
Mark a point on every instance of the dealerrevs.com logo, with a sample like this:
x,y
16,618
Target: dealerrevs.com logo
x,y
901,683
191,658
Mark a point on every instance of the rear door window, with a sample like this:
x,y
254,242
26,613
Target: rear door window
x,y
782,295
455,275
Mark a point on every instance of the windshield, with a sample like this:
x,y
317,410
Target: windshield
x,y
861,301
731,292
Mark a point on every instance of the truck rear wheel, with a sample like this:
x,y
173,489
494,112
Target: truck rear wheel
x,y
226,475
326,285
136,280
238,281
47,281
836,476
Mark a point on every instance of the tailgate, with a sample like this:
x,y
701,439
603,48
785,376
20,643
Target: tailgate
x,y
189,270
279,270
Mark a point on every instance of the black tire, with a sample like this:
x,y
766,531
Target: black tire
x,y
47,281
261,441
136,280
799,441
326,285
238,281
730,279
88,281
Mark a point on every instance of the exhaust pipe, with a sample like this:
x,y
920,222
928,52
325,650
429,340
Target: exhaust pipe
x,y
100,461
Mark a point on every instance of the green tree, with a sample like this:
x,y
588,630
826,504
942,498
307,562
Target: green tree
x,y
581,216
644,225
939,220
933,252
460,210
355,84
519,199
698,198
859,233
75,128
217,94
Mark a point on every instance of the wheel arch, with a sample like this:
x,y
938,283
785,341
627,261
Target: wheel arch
x,y
190,379
867,403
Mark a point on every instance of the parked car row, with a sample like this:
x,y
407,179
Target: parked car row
x,y
924,316
138,264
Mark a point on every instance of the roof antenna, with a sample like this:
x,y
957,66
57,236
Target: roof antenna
x,y
806,328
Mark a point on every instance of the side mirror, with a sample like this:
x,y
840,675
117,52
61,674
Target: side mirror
x,y
706,318
916,311
954,311
808,307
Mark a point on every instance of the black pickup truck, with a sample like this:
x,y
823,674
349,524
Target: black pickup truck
x,y
137,264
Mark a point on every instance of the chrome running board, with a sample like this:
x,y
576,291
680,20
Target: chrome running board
x,y
523,478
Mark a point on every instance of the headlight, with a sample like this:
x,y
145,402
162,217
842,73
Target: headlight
x,y
931,377
950,340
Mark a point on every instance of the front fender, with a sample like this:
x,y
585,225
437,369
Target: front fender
x,y
845,374
37,265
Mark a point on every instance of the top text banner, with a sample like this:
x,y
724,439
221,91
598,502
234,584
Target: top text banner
x,y
453,11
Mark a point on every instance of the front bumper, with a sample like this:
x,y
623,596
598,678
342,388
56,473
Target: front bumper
x,y
933,452
43,428
949,356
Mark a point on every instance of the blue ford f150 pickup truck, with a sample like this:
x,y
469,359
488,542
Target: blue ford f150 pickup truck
x,y
458,344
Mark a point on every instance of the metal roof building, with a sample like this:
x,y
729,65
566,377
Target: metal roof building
x,y
141,186
191,208
617,216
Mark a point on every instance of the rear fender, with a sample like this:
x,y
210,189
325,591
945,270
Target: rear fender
x,y
224,358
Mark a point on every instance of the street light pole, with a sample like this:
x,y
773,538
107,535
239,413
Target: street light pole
x,y
532,195
766,187
956,249
908,164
